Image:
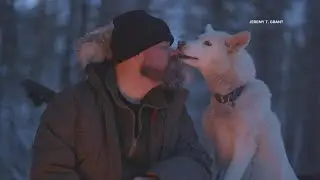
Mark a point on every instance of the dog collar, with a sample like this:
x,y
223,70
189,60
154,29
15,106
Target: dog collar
x,y
231,97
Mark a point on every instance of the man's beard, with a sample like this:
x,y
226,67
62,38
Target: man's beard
x,y
171,76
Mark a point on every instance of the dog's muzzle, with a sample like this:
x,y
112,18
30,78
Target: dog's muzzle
x,y
181,44
181,55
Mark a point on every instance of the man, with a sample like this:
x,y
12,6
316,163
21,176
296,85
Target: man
x,y
122,122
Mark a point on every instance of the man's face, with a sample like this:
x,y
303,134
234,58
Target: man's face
x,y
156,60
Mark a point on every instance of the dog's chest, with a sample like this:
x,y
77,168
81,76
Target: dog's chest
x,y
223,120
222,127
218,110
219,118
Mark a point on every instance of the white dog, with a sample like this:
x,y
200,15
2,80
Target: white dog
x,y
239,120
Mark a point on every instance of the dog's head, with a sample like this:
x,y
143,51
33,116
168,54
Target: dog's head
x,y
219,52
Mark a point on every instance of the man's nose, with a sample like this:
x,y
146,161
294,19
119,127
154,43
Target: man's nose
x,y
181,44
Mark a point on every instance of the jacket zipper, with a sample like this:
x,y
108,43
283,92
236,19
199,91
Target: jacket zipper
x,y
135,140
122,106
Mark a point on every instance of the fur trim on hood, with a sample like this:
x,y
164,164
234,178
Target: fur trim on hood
x,y
95,46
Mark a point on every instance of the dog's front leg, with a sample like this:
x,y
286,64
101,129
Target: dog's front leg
x,y
244,151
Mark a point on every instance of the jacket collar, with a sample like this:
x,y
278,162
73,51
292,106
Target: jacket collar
x,y
158,97
155,98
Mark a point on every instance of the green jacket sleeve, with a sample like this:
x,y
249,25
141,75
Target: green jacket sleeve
x,y
53,156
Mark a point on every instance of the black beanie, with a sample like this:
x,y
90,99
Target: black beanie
x,y
136,31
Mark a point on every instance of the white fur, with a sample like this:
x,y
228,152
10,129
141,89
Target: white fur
x,y
247,136
95,46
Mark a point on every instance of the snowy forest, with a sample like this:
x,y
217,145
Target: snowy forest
x,y
38,37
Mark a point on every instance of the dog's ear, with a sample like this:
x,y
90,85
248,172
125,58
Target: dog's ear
x,y
208,28
238,41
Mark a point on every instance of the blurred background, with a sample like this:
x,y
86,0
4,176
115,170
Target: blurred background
x,y
37,40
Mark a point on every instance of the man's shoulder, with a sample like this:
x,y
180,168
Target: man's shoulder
x,y
73,92
180,94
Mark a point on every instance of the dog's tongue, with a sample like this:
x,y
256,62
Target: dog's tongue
x,y
183,56
177,53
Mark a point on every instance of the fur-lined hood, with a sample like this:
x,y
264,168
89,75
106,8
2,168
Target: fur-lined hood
x,y
95,46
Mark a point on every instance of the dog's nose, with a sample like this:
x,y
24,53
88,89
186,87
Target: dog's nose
x,y
181,44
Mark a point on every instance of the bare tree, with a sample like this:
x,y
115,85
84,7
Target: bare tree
x,y
9,38
74,29
304,104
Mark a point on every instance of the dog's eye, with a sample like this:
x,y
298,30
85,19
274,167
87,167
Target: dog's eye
x,y
207,43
